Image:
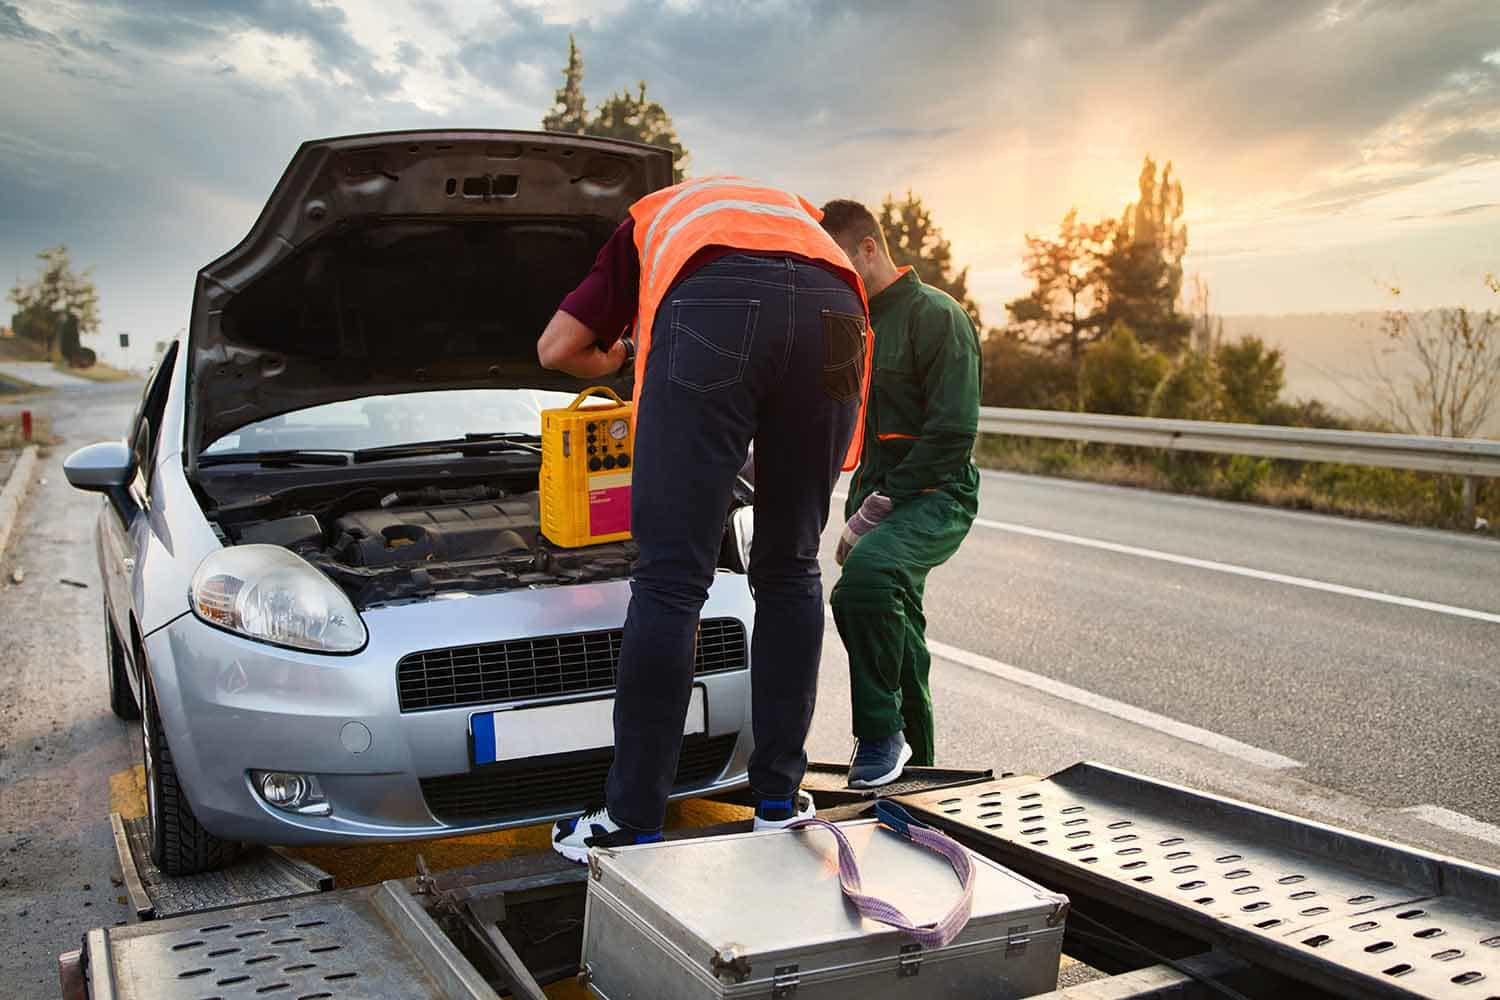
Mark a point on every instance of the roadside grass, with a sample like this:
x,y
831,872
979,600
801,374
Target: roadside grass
x,y
12,388
1413,498
97,372
10,432
21,349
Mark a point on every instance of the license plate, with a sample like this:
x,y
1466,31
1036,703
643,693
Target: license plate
x,y
515,733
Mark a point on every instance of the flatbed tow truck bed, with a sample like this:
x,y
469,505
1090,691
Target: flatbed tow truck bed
x,y
1175,893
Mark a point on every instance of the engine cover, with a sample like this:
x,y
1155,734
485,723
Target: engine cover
x,y
447,533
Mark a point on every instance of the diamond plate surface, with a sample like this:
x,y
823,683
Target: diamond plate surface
x,y
1386,920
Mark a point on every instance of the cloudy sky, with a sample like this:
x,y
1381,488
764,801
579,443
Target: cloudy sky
x,y
1327,148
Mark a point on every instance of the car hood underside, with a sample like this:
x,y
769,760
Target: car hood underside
x,y
402,262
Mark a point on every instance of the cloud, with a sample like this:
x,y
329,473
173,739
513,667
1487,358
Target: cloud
x,y
151,130
15,27
1453,213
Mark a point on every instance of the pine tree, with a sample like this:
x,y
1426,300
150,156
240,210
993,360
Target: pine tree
x,y
1142,273
917,243
632,116
569,110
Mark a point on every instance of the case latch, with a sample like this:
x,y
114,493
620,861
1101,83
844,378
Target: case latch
x,y
785,981
1016,940
910,962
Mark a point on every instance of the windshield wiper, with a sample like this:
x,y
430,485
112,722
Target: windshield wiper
x,y
469,444
275,458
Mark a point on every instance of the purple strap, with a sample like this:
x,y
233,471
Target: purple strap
x,y
934,935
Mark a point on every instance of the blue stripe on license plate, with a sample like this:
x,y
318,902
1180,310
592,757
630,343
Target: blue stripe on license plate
x,y
484,738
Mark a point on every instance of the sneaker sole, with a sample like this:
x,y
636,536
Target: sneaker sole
x,y
887,777
782,824
577,855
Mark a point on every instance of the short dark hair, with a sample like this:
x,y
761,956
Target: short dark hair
x,y
849,221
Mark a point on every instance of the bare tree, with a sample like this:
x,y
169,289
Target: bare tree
x,y
1440,373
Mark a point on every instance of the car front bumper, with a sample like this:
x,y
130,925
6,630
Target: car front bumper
x,y
230,705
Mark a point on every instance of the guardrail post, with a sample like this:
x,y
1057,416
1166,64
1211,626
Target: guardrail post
x,y
1471,495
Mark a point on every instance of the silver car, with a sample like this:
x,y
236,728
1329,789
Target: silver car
x,y
327,595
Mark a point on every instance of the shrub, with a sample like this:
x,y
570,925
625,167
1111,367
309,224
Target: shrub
x,y
1118,374
1242,476
1304,413
1190,391
1020,374
1251,376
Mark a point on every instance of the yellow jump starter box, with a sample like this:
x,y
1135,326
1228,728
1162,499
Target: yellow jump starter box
x,y
586,460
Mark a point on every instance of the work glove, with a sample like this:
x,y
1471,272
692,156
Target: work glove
x,y
874,510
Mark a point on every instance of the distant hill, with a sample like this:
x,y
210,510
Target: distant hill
x,y
1328,355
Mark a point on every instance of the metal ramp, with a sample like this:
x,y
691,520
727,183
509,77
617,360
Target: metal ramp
x,y
260,875
371,943
1355,916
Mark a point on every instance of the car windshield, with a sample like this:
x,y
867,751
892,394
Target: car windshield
x,y
382,421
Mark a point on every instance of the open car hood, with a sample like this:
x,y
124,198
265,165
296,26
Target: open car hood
x,y
404,261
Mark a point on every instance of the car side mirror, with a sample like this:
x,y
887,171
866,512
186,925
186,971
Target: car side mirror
x,y
100,468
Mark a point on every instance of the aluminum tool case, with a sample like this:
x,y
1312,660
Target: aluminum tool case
x,y
761,915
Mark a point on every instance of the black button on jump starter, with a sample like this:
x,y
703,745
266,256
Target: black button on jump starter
x,y
594,464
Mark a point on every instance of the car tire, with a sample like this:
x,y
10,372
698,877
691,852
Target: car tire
x,y
179,844
121,697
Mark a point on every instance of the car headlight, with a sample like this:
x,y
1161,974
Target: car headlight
x,y
268,593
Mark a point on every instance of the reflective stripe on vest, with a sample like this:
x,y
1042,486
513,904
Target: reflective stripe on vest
x,y
673,224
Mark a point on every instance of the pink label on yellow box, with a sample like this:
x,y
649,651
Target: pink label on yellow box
x,y
609,504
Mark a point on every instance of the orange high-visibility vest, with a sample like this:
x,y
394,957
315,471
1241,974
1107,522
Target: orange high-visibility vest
x,y
673,224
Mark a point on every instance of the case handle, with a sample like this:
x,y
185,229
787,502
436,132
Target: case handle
x,y
595,390
937,934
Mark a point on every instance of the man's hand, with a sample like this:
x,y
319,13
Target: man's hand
x,y
569,346
874,510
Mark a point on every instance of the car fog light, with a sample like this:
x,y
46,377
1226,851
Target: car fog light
x,y
299,793
282,789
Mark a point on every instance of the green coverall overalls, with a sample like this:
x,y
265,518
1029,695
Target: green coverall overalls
x,y
918,450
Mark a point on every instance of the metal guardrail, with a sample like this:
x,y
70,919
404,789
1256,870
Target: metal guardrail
x,y
1455,456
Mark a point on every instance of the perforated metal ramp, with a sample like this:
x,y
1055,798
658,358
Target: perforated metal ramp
x,y
371,943
1349,914
261,874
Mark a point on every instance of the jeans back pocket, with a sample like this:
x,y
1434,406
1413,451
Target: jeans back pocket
x,y
843,354
711,340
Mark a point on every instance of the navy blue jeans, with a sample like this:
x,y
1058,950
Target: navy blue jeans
x,y
747,348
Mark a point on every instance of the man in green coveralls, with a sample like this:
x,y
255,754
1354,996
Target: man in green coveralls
x,y
912,499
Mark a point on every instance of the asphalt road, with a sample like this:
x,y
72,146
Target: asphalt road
x,y
1265,630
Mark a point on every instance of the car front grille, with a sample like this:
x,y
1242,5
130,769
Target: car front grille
x,y
540,667
561,783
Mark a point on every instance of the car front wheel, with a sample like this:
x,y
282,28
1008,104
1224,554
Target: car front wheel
x,y
179,845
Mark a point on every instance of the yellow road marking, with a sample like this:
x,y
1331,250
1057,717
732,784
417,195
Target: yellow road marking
x,y
127,792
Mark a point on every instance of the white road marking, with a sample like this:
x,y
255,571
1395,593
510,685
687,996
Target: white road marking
x,y
1245,571
1099,703
1456,822
1120,710
1234,570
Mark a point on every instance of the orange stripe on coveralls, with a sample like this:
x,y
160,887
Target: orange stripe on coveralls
x,y
897,437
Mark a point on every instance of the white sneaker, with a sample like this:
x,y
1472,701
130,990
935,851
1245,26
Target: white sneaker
x,y
572,838
775,814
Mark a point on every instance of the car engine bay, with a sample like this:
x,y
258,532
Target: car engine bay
x,y
418,542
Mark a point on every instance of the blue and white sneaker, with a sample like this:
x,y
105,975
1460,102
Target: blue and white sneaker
x,y
572,838
878,762
775,814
